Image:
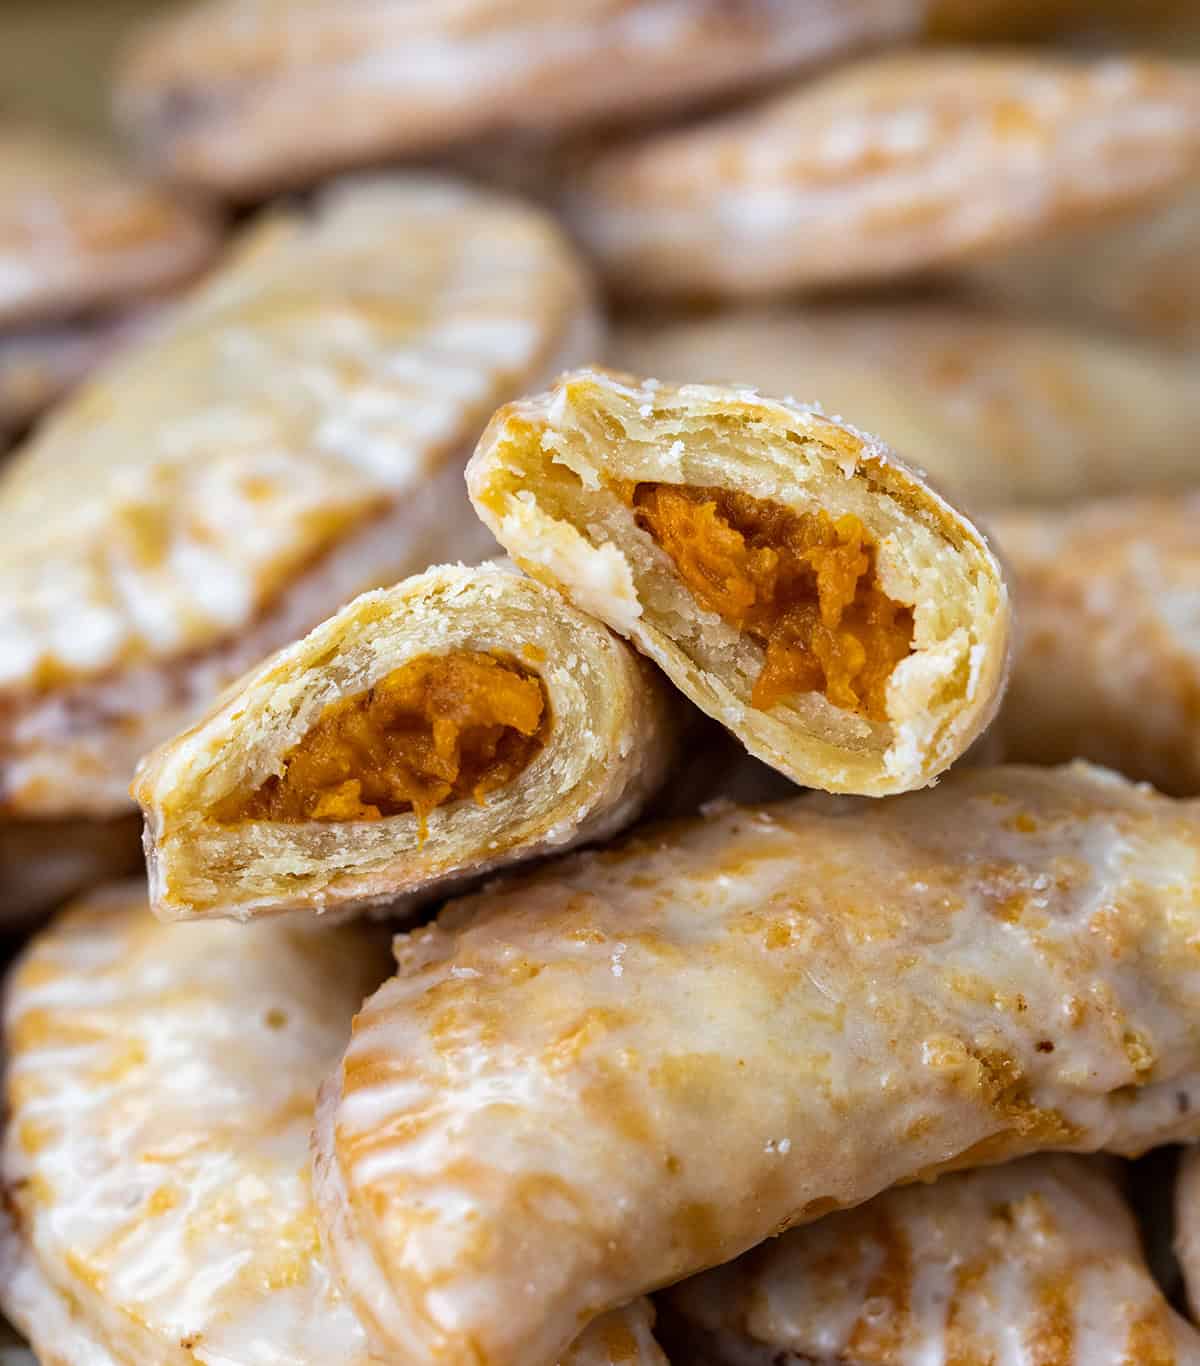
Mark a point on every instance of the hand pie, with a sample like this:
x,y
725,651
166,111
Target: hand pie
x,y
160,1093
996,410
1037,1263
1108,659
1140,274
635,1064
42,863
297,435
245,95
895,165
793,579
466,719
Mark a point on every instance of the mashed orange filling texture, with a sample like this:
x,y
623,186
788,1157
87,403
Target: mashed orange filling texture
x,y
436,730
800,584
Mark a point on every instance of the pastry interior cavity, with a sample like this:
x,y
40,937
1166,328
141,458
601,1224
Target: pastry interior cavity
x,y
438,729
801,585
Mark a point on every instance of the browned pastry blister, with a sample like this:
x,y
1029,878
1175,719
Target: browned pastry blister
x,y
888,168
243,96
295,435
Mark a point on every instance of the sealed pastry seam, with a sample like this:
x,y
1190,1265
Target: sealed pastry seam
x,y
427,732
789,574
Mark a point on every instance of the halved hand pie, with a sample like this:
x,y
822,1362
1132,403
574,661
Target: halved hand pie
x,y
790,575
160,1090
636,1064
1036,1263
465,719
885,168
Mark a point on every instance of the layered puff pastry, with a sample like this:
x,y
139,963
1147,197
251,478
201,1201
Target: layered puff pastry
x,y
892,166
242,96
466,719
160,1089
296,436
998,410
1107,664
878,991
80,232
790,575
1036,1263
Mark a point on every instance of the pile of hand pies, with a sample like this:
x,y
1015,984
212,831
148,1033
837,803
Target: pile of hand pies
x,y
641,562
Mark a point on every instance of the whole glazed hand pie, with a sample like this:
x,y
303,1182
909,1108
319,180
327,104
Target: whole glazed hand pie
x,y
892,166
297,435
1107,593
245,95
877,991
465,719
997,410
789,574
1037,1263
160,1089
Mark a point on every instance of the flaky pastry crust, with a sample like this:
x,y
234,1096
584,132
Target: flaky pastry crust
x,y
891,166
610,733
875,991
543,479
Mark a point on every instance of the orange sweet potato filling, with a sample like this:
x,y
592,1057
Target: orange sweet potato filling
x,y
438,729
800,584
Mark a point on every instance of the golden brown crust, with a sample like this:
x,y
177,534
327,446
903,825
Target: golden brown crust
x,y
608,742
246,95
545,480
891,166
876,991
79,231
1107,665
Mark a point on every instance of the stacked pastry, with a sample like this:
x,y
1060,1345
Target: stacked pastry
x,y
666,1058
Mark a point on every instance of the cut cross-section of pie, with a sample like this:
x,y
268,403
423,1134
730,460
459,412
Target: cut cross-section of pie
x,y
632,1065
465,719
792,577
1036,1263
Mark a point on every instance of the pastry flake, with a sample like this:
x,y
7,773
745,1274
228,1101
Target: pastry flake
x,y
886,168
1108,593
243,96
997,410
877,991
296,435
1036,1263
465,719
788,573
